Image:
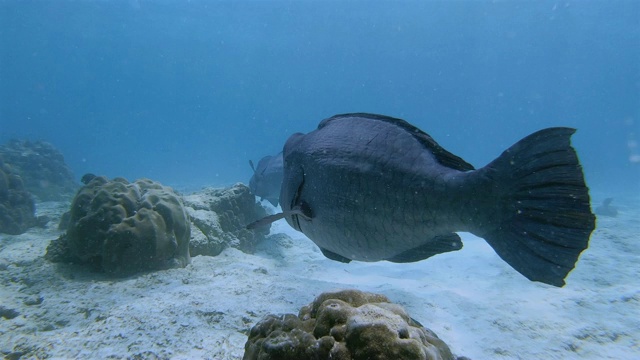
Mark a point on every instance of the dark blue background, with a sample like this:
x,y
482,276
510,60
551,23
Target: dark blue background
x,y
187,92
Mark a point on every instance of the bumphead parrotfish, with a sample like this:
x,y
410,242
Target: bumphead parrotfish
x,y
370,187
267,178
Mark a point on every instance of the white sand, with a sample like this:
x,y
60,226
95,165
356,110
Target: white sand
x,y
473,300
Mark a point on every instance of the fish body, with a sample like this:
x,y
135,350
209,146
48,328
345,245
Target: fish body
x,y
369,187
267,178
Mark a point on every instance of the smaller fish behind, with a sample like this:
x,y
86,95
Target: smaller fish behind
x,y
606,209
267,178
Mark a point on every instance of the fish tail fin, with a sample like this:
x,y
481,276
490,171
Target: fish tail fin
x,y
544,218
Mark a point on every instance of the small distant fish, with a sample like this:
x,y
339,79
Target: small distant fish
x,y
267,178
370,187
606,209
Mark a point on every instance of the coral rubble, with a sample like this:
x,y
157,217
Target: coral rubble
x,y
219,217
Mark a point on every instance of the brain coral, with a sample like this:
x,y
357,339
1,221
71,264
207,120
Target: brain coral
x,y
123,227
345,325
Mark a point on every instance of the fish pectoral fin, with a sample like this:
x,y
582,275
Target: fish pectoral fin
x,y
438,245
305,213
267,220
333,256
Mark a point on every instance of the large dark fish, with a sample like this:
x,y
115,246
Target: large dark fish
x,y
267,178
369,187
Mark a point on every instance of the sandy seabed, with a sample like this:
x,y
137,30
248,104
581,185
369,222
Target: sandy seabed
x,y
471,299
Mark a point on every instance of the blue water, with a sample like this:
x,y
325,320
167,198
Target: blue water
x,y
186,92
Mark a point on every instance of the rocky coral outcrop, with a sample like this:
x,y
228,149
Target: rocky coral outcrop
x,y
345,325
123,228
219,217
17,209
42,168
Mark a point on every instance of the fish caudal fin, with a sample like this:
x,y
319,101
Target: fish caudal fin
x,y
544,221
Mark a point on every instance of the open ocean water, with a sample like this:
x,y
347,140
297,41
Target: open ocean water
x,y
187,92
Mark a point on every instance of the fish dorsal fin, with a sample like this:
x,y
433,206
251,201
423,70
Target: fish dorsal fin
x,y
443,157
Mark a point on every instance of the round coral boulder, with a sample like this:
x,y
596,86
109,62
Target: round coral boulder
x,y
123,228
345,325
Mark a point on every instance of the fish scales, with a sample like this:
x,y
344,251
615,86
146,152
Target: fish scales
x,y
386,176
